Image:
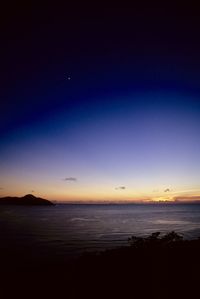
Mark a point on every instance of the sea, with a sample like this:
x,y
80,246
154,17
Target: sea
x,y
74,229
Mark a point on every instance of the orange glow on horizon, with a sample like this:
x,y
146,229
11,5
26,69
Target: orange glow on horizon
x,y
79,192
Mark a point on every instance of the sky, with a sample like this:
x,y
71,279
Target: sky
x,y
100,103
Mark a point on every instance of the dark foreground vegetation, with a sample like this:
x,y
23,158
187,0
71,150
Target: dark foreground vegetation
x,y
152,267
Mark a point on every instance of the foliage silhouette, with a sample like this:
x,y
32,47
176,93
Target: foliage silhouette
x,y
155,239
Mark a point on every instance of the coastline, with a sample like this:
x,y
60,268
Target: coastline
x,y
147,267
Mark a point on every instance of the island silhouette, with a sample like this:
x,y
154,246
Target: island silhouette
x,y
27,200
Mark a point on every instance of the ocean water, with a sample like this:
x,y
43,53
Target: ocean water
x,y
67,230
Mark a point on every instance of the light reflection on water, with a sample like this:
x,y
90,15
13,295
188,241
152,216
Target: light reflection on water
x,y
68,229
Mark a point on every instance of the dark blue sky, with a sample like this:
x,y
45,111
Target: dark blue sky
x,y
129,115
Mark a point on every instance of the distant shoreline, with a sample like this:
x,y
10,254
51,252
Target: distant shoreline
x,y
125,203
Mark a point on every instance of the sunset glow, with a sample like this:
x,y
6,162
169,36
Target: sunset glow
x,y
138,148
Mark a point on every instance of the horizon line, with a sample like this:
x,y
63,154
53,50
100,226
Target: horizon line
x,y
92,202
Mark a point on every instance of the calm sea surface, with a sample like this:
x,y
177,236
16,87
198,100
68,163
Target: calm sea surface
x,y
73,229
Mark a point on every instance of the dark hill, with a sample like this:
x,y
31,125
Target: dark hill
x,y
28,200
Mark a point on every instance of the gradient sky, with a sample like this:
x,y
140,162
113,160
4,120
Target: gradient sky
x,y
100,105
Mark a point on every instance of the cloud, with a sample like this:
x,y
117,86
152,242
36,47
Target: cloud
x,y
70,179
120,188
167,190
186,198
1,188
